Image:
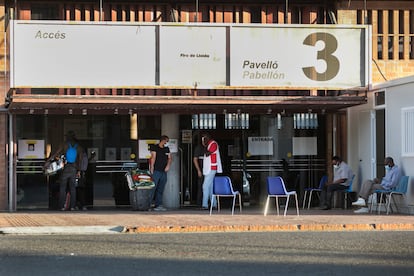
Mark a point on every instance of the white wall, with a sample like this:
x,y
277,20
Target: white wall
x,y
398,94
396,98
360,164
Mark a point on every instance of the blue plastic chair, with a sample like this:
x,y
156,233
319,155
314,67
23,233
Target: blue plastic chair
x,y
318,190
276,188
222,187
400,189
348,191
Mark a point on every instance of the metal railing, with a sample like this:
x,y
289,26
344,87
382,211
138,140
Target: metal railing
x,y
299,165
35,166
30,166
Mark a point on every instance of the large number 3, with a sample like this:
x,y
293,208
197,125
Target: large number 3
x,y
326,54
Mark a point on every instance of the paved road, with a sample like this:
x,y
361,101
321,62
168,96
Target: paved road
x,y
250,253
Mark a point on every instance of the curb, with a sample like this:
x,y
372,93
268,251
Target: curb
x,y
52,230
91,230
270,228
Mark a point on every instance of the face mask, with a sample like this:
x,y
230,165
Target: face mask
x,y
166,144
387,167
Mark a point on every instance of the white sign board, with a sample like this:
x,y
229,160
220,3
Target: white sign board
x,y
144,148
31,149
305,145
300,57
61,54
203,55
192,56
260,145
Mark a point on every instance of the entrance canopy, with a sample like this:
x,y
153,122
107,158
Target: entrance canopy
x,y
181,104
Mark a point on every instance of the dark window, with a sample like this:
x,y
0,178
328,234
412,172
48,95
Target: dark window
x,y
256,15
45,12
380,98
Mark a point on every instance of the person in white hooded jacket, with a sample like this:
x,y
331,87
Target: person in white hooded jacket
x,y
211,166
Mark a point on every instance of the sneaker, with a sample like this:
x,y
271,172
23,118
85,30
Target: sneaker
x,y
326,207
362,210
73,209
84,209
160,208
63,209
359,202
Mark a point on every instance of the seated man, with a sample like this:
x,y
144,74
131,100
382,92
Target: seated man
x,y
341,180
389,181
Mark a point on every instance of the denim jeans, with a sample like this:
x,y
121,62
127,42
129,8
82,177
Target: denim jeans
x,y
67,178
208,188
160,180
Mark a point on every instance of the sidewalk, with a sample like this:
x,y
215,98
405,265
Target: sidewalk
x,y
124,220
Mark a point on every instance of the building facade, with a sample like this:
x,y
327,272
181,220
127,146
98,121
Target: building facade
x,y
114,121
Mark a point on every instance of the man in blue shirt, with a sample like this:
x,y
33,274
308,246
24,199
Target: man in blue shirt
x,y
389,181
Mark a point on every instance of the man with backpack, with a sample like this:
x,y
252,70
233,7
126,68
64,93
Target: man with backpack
x,y
72,152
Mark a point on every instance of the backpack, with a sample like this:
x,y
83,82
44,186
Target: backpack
x,y
84,162
71,153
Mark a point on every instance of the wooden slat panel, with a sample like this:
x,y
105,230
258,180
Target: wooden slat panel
x,y
67,14
219,14
185,14
158,16
281,16
271,14
309,15
78,13
132,14
113,13
372,5
396,29
385,22
374,34
246,17
88,13
96,13
211,15
148,14
228,14
237,14
25,14
406,33
140,14
124,13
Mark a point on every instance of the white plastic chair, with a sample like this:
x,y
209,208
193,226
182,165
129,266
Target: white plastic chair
x,y
222,187
276,188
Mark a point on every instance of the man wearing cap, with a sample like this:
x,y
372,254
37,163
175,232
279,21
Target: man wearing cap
x,y
73,157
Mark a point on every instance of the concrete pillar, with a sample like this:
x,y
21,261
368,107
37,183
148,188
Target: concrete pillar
x,y
170,127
